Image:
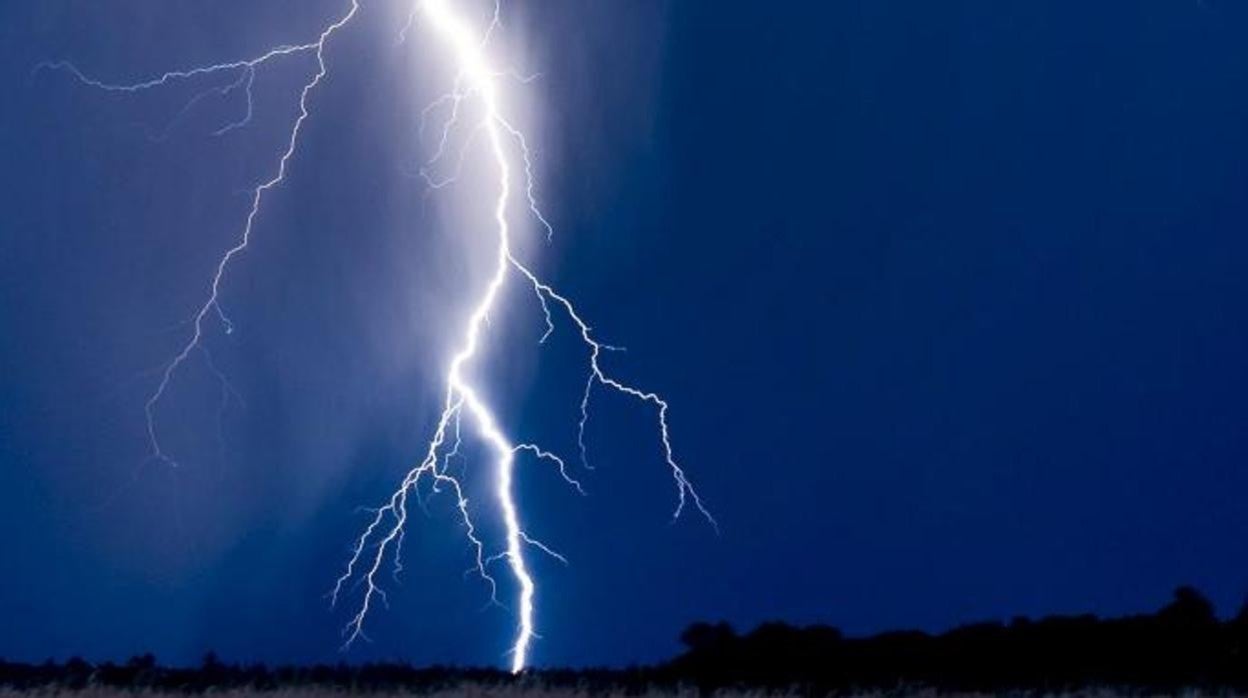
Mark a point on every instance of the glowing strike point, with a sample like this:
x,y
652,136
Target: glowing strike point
x,y
382,538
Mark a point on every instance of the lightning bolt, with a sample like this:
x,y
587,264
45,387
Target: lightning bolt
x,y
478,80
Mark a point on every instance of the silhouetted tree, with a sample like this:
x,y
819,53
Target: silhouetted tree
x,y
1189,609
705,637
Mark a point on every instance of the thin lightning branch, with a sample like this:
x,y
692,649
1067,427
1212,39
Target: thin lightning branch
x,y
547,455
250,74
528,186
684,488
212,304
407,25
175,75
543,547
245,81
477,80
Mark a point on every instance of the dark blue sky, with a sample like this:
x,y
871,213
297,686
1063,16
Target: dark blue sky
x,y
948,299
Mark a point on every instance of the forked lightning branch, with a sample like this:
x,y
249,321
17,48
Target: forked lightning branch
x,y
464,31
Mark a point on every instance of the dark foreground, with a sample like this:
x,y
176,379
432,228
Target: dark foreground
x,y
1181,649
470,690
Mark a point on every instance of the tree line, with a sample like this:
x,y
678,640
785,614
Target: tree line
x,y
1183,644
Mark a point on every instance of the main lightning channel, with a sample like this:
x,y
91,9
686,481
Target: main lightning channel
x,y
478,78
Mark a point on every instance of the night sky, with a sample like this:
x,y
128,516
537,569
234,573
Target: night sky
x,y
948,299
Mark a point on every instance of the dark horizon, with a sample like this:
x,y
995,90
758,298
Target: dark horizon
x,y
1188,595
1182,645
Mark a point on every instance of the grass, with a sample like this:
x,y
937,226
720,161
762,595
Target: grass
x,y
477,690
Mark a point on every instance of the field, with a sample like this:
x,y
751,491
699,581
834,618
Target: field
x,y
473,690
